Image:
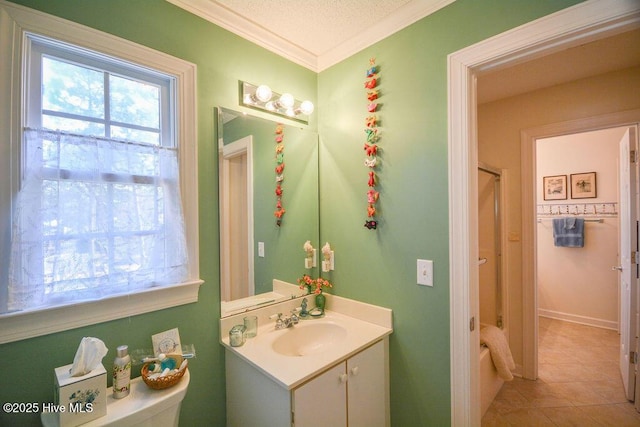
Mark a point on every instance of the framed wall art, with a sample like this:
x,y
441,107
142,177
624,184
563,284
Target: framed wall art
x,y
583,185
554,187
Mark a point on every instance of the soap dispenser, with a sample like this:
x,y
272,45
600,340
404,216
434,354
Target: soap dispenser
x,y
122,372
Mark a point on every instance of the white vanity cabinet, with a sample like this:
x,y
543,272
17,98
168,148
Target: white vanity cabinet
x,y
353,393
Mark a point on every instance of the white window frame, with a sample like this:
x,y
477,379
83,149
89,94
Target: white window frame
x,y
15,23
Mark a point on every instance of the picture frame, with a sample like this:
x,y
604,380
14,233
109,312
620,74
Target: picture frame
x,y
554,187
583,185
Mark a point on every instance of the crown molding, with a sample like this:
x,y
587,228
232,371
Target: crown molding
x,y
231,21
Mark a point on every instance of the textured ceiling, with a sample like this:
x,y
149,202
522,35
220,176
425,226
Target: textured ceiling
x,y
320,33
317,26
314,33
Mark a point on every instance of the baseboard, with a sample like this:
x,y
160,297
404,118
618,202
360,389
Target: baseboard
x,y
583,320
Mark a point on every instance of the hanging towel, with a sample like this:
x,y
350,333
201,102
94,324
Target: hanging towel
x,y
568,232
494,338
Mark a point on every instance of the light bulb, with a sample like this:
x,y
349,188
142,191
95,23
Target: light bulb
x,y
248,99
263,93
306,107
289,112
287,100
270,106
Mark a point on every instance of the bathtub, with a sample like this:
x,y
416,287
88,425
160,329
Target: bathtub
x,y
490,382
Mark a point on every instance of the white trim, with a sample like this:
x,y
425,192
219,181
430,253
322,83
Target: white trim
x,y
239,25
19,326
9,154
18,20
231,21
583,320
578,24
463,212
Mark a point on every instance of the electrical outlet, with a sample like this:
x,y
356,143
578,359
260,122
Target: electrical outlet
x,y
425,272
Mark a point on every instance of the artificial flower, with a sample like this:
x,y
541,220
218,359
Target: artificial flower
x,y
314,285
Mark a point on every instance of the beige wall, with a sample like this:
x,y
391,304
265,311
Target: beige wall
x,y
499,127
577,284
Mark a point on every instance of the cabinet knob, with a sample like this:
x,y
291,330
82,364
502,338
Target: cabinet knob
x,y
354,371
343,378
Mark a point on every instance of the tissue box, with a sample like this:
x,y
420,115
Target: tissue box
x,y
79,400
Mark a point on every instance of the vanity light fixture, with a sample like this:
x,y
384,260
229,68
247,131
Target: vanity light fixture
x,y
263,98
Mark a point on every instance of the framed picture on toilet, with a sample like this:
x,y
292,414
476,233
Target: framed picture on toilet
x,y
583,185
554,187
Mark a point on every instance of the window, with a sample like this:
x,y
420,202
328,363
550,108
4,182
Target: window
x,y
96,211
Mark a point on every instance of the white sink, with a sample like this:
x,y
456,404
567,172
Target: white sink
x,y
307,338
294,355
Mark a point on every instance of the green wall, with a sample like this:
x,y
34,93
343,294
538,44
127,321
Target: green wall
x,y
372,266
379,267
222,59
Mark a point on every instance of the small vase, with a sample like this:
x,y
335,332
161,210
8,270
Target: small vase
x,y
321,301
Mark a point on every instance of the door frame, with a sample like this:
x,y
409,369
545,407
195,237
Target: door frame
x,y
528,139
242,146
570,27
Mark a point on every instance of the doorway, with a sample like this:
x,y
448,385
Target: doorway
x,y
577,284
579,24
236,219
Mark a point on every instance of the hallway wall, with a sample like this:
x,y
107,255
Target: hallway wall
x,y
499,127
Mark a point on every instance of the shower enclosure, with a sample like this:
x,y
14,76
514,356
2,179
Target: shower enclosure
x,y
490,246
491,295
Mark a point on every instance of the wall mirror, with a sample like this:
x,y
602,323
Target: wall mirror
x,y
258,256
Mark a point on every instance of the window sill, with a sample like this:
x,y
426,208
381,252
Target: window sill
x,y
22,325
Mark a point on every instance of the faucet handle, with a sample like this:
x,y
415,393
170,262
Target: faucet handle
x,y
294,317
279,321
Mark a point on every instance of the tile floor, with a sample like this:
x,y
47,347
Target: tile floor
x,y
579,382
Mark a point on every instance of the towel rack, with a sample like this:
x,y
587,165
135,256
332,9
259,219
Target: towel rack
x,y
601,220
608,209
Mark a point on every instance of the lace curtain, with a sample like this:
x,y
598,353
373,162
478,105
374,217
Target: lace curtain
x,y
95,217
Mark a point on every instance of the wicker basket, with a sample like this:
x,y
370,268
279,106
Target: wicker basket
x,y
161,383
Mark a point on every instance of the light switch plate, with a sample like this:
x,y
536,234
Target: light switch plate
x,y
261,249
425,272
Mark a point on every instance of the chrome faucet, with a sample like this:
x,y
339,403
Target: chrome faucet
x,y
286,322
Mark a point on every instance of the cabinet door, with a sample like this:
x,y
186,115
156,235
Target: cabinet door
x,y
367,388
322,401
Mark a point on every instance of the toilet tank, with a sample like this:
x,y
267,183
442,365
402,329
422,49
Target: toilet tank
x,y
144,407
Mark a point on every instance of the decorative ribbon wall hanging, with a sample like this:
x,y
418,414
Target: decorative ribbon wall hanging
x,y
280,211
371,144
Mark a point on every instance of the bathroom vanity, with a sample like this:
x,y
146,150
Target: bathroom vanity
x,y
332,371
